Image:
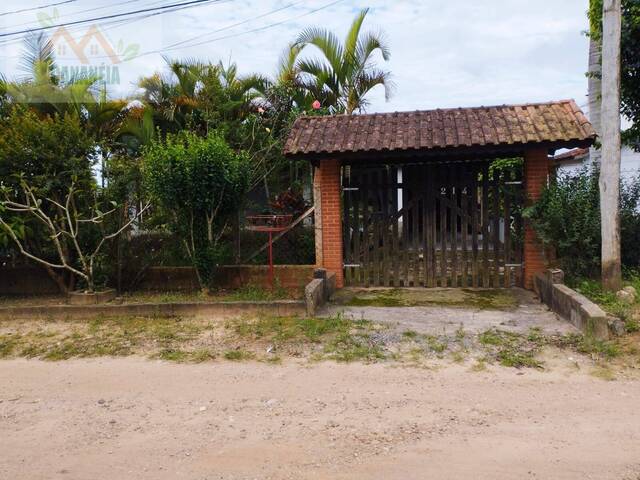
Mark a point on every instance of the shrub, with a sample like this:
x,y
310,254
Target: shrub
x,y
567,218
199,183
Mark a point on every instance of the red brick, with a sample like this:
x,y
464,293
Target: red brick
x,y
536,176
328,179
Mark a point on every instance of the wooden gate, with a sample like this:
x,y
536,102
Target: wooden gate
x,y
433,225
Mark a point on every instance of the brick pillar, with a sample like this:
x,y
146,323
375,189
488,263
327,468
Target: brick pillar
x,y
536,176
327,183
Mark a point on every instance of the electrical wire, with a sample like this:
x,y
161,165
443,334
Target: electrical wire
x,y
110,25
77,12
246,32
4,14
107,17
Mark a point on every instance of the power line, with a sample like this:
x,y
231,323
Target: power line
x,y
77,12
246,32
228,27
108,17
112,24
36,8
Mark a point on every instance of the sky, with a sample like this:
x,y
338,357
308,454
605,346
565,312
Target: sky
x,y
444,53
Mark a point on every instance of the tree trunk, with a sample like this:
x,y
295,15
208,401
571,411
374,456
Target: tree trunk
x,y
610,168
595,95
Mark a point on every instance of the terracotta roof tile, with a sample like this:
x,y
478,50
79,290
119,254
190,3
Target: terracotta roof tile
x,y
550,123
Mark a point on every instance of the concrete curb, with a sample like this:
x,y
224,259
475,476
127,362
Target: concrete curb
x,y
574,307
194,309
319,290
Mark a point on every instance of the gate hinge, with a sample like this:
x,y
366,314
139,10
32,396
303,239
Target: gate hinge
x,y
350,189
514,182
512,264
351,265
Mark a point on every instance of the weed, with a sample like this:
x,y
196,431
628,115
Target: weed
x,y
479,366
238,355
347,347
410,334
173,355
458,356
254,293
512,349
435,344
8,344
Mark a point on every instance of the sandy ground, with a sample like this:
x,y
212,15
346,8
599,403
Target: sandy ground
x,y
138,419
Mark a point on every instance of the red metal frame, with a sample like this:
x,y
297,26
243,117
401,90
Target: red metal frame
x,y
269,224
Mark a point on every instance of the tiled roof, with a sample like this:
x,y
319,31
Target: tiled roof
x,y
559,123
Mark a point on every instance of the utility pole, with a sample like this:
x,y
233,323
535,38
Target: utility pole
x,y
610,164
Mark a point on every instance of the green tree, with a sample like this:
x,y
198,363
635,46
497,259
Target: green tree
x,y
347,72
199,183
630,60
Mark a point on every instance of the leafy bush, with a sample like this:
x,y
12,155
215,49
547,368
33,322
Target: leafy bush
x,y
567,218
199,183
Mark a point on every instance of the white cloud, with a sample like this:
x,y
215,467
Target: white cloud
x,y
444,53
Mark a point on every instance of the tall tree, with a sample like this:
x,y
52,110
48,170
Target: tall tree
x,y
610,166
630,68
347,72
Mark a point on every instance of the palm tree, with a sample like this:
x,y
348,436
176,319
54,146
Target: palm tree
x,y
347,72
199,94
47,95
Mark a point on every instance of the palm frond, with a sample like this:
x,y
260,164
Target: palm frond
x,y
369,44
351,41
38,60
327,42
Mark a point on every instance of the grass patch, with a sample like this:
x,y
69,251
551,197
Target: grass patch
x,y
117,336
238,355
253,293
512,349
347,347
587,345
482,299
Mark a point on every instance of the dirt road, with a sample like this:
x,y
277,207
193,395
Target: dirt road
x,y
139,419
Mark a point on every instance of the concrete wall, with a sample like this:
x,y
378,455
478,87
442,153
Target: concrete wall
x,y
574,307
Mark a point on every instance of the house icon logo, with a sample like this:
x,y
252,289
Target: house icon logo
x,y
87,54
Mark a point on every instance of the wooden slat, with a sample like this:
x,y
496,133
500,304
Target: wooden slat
x,y
415,240
433,271
464,227
485,226
357,257
496,229
395,253
518,234
424,181
375,226
405,230
508,257
366,221
474,230
444,191
385,238
346,235
453,223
